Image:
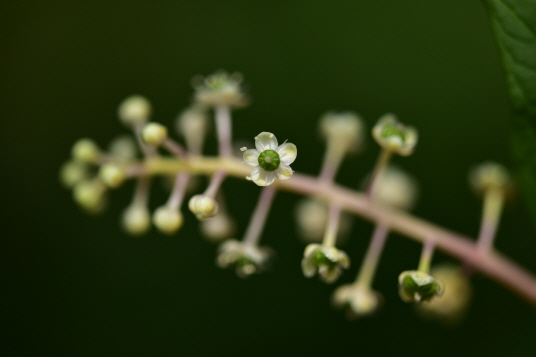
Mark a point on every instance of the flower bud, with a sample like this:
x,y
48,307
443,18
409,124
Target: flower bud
x,y
73,172
90,195
489,175
192,125
85,150
134,110
218,228
327,261
167,219
345,130
136,220
359,301
312,219
453,304
418,286
395,188
123,148
154,134
203,206
393,136
112,175
220,89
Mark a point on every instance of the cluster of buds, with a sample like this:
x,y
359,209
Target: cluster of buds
x,y
91,172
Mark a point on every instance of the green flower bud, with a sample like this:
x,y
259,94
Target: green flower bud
x,y
136,220
418,286
85,150
72,172
90,195
218,228
203,207
167,219
490,175
154,134
134,110
112,175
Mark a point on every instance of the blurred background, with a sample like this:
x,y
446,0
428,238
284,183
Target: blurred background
x,y
75,285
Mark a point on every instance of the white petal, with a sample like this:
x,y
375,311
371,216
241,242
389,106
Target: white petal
x,y
251,157
261,177
265,141
287,153
284,172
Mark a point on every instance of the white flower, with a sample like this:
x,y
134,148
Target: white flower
x,y
270,160
246,259
327,261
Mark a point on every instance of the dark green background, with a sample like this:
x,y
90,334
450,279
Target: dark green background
x,y
74,285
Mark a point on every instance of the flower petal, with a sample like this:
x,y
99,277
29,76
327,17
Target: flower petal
x,y
251,157
265,141
308,267
261,177
287,153
284,172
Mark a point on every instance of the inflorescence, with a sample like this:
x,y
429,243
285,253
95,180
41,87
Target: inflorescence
x,y
440,292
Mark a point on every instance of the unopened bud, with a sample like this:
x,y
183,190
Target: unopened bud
x,y
123,148
136,220
154,134
203,207
192,124
134,110
73,172
112,175
85,150
218,228
395,188
489,175
345,130
167,219
90,195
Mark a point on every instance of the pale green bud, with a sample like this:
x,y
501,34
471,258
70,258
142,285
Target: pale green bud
x,y
112,175
123,148
489,175
395,188
167,219
345,130
90,194
218,228
85,150
358,301
73,172
134,110
154,134
312,218
203,207
136,220
192,124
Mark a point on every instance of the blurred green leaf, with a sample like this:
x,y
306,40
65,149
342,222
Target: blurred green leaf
x,y
514,25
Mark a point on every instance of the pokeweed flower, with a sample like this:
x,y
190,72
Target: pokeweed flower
x,y
452,306
418,286
328,261
220,89
359,301
269,160
488,176
393,136
247,259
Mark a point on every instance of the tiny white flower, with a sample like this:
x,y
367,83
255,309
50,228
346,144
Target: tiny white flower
x,y
327,261
270,160
245,258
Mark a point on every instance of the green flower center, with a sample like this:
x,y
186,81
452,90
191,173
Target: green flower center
x,y
393,130
320,259
269,160
425,291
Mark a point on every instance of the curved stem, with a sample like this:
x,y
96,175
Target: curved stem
x,y
491,263
260,214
